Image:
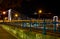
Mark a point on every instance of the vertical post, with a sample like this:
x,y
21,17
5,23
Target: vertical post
x,y
3,15
55,20
24,24
9,14
54,26
44,27
35,24
39,16
3,18
30,24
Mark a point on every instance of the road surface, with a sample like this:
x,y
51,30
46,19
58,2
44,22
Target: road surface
x,y
5,35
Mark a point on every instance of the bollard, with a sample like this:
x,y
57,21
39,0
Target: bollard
x,y
44,27
24,24
35,24
55,20
30,26
54,26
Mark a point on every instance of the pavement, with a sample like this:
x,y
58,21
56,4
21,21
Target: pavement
x,y
5,35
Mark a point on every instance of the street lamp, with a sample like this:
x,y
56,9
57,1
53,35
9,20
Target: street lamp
x,y
16,15
3,13
39,12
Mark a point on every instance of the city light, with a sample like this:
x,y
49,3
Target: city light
x,y
6,18
35,13
16,15
40,11
4,12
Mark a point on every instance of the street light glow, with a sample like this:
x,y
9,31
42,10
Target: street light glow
x,y
4,12
40,11
16,15
6,18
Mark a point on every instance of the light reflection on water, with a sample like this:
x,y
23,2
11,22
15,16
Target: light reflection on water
x,y
22,34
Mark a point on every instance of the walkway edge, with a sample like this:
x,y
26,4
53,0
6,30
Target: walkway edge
x,y
9,32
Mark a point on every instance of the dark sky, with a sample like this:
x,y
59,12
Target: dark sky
x,y
28,7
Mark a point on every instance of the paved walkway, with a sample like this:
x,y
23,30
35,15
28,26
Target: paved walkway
x,y
5,35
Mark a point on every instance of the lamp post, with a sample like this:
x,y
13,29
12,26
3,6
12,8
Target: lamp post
x,y
16,15
39,12
3,13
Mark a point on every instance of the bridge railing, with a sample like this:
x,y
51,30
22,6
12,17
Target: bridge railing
x,y
38,24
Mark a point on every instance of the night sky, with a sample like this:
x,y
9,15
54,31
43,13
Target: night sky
x,y
28,7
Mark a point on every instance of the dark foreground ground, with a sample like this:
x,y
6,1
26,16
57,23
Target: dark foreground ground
x,y
5,35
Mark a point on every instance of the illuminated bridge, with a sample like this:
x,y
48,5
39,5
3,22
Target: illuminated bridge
x,y
30,29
